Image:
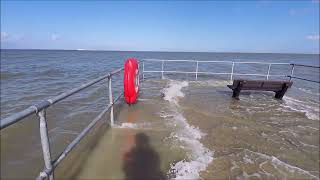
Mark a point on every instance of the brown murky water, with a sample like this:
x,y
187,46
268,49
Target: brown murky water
x,y
196,131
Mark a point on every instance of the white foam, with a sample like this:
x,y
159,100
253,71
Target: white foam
x,y
173,92
213,83
247,160
248,176
311,111
309,127
127,126
234,166
308,91
290,131
141,99
308,145
278,163
198,155
59,130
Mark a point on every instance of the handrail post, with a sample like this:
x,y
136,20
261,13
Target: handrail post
x,y
232,69
110,101
162,69
268,71
45,142
143,70
291,74
197,70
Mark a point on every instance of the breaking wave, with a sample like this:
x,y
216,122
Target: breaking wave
x,y
189,136
279,165
310,110
127,126
308,91
212,83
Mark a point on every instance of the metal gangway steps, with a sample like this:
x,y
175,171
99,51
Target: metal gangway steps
x,y
41,108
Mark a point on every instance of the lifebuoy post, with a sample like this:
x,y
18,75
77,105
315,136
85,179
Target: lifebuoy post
x,y
131,80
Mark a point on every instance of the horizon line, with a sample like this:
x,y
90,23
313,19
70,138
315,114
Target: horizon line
x,y
234,52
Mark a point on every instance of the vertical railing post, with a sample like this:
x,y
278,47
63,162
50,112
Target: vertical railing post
x,y
291,74
45,142
268,71
232,69
110,101
142,70
197,70
162,69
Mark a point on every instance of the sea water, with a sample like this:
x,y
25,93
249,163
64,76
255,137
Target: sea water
x,y
179,129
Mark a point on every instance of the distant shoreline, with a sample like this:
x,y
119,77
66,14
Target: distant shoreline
x,y
163,51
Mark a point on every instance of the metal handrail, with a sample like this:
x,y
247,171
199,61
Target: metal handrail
x,y
294,77
300,78
233,63
47,103
302,65
237,62
196,72
40,110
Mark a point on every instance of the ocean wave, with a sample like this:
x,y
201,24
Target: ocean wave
x,y
173,92
278,164
308,91
212,83
8,75
127,125
199,157
269,166
60,130
51,72
311,110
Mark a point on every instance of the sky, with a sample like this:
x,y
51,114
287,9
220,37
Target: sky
x,y
201,26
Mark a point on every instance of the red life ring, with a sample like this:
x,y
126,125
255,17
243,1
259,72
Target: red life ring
x,y
131,80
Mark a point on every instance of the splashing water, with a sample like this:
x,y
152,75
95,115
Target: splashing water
x,y
198,155
173,92
312,112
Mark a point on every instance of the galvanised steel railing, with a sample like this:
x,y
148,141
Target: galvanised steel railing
x,y
231,72
40,110
197,72
301,78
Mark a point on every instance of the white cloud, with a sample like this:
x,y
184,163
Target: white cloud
x,y
4,36
297,11
313,37
55,37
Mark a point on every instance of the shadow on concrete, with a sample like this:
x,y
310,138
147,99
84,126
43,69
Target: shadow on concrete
x,y
142,162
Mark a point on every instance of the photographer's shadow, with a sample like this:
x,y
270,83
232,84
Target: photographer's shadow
x,y
142,162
